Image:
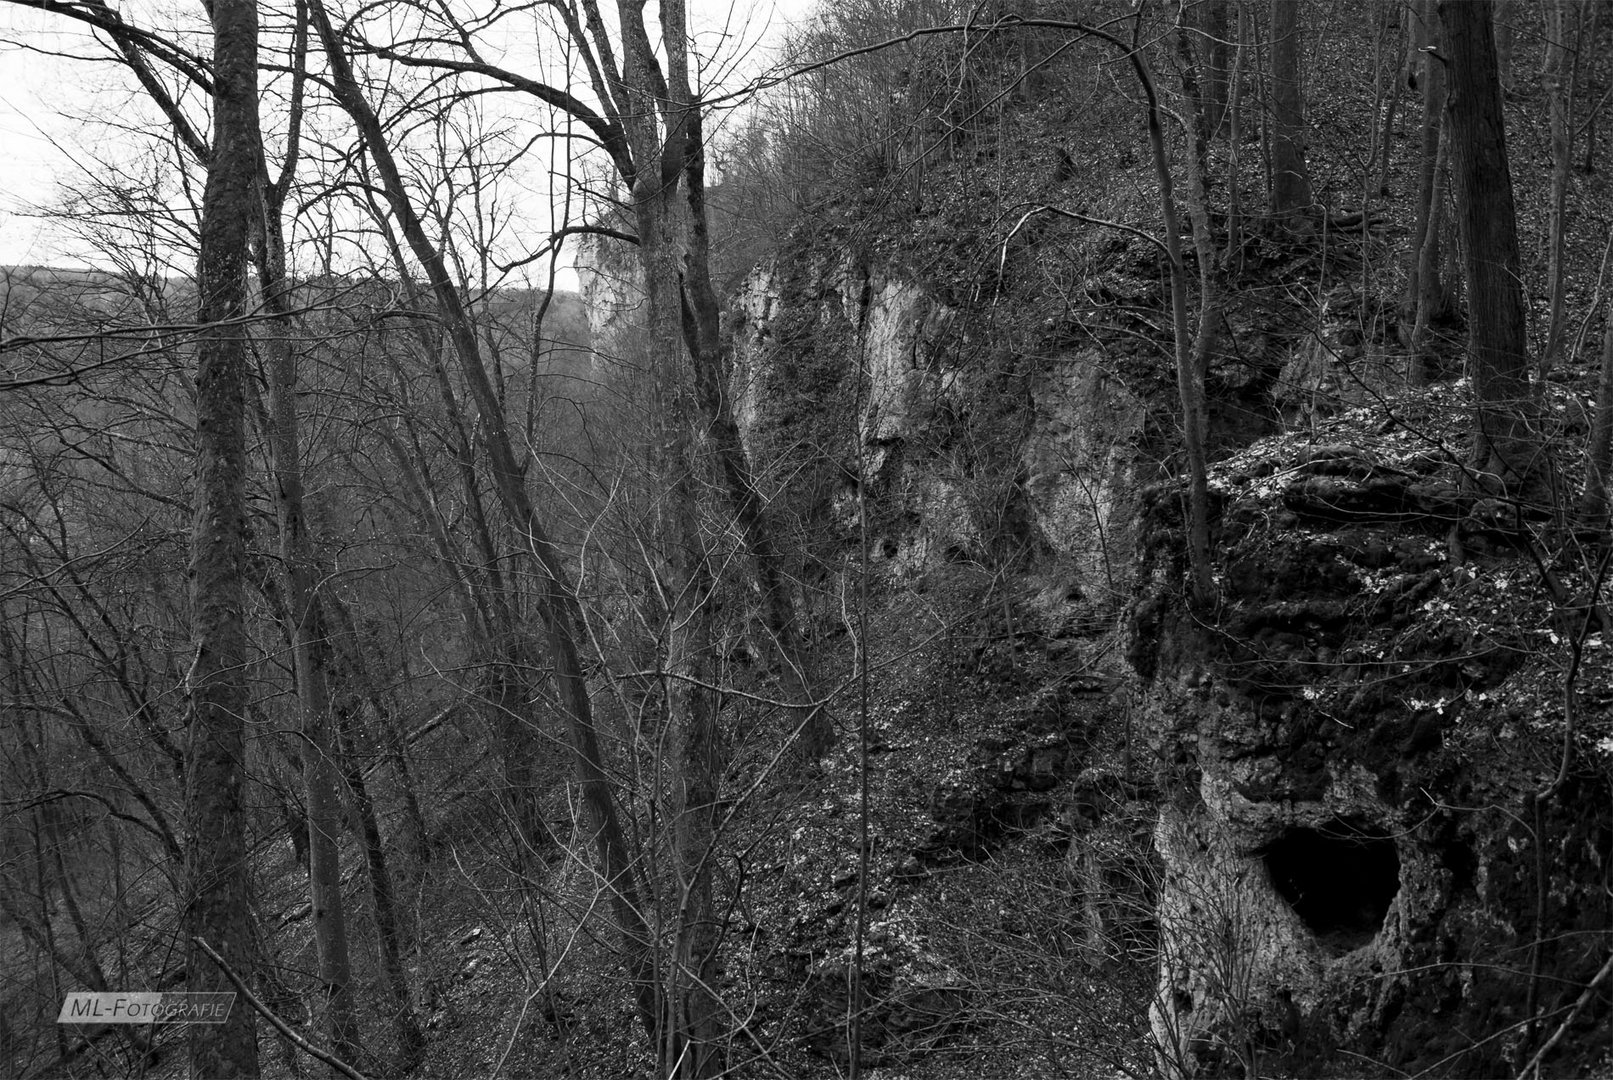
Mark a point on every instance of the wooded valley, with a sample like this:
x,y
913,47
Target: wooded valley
x,y
1046,540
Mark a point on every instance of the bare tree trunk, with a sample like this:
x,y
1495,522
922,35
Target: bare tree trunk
x,y
1234,245
501,652
1431,300
1218,50
1498,357
215,901
1431,80
310,650
1590,33
684,340
1291,178
1557,77
411,1040
1189,382
709,360
1427,298
1504,36
693,1033
355,673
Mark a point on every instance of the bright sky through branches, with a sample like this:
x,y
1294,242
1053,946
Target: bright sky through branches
x,y
60,111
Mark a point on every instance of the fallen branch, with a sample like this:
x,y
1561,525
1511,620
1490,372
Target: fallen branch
x,y
1562,1029
279,1025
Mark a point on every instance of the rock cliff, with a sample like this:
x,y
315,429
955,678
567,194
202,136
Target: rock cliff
x,y
1374,844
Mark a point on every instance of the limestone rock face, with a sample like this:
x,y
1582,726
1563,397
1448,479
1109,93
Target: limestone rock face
x,y
613,294
1082,463
841,340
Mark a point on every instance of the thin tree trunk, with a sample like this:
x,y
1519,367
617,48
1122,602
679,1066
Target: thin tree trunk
x,y
1558,83
1426,296
709,360
1189,379
1217,51
411,1040
310,649
1588,165
1431,300
356,673
1234,245
1291,178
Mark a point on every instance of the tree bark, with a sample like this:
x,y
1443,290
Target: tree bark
x,y
684,344
1218,49
1426,296
1290,176
310,650
1558,80
215,901
411,1039
1482,180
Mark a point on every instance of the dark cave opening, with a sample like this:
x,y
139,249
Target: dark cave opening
x,y
1339,878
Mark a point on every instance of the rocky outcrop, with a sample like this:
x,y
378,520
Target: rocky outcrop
x,y
815,345
1355,866
614,296
1350,868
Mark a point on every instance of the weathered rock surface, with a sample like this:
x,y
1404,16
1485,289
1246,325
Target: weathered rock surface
x,y
1354,864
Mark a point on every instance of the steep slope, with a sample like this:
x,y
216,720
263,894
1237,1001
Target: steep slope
x,y
1354,817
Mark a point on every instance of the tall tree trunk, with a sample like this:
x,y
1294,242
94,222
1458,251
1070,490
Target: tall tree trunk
x,y
310,650
1190,374
684,343
1426,297
1290,176
1232,255
215,902
1430,299
1482,179
1218,48
1558,80
710,362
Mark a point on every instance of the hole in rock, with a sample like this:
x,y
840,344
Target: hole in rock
x,y
1339,878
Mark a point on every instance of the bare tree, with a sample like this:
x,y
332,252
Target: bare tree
x,y
215,899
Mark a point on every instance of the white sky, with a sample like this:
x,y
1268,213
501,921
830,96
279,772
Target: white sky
x,y
51,108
